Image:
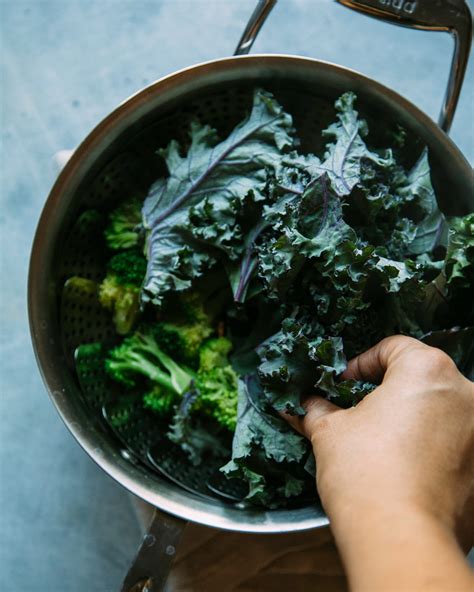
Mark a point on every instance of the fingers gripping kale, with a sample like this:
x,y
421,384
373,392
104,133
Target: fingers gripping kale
x,y
266,270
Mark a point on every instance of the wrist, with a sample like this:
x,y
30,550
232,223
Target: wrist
x,y
384,504
393,545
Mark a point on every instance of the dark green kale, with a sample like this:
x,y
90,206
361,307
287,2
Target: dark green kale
x,y
213,180
193,432
266,270
459,262
209,408
264,449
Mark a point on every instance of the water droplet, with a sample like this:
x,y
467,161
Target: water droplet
x,y
125,454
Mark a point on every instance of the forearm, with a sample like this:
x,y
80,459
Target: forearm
x,y
388,548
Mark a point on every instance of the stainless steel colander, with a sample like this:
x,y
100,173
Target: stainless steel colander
x,y
117,159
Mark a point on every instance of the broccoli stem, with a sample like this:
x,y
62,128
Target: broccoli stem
x,y
141,365
177,380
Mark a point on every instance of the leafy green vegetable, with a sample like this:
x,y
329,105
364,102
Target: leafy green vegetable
x,y
217,177
344,156
266,270
193,434
259,433
295,366
459,264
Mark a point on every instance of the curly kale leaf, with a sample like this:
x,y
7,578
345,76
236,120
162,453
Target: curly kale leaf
x,y
345,155
458,344
459,261
257,426
310,227
448,298
293,362
190,431
213,179
265,451
431,229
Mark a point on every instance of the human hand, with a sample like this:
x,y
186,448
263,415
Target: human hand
x,y
406,451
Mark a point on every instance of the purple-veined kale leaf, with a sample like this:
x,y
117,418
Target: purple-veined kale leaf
x,y
214,178
264,450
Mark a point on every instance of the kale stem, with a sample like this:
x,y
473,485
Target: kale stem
x,y
290,189
325,193
261,413
248,264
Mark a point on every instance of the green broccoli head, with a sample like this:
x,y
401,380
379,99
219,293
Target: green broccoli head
x,y
129,267
182,341
120,290
214,353
218,395
123,301
139,356
192,308
160,400
122,231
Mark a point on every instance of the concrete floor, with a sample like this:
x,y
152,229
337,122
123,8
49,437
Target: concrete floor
x,y
65,526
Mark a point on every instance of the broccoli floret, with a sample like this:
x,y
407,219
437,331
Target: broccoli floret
x,y
129,268
140,356
120,290
160,400
189,326
217,382
213,353
182,341
122,231
123,301
218,395
192,308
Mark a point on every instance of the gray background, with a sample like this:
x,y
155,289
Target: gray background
x,y
65,526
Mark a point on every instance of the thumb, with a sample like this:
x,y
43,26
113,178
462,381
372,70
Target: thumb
x,y
374,363
316,408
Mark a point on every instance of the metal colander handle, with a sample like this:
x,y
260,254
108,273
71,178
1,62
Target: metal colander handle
x,y
452,16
